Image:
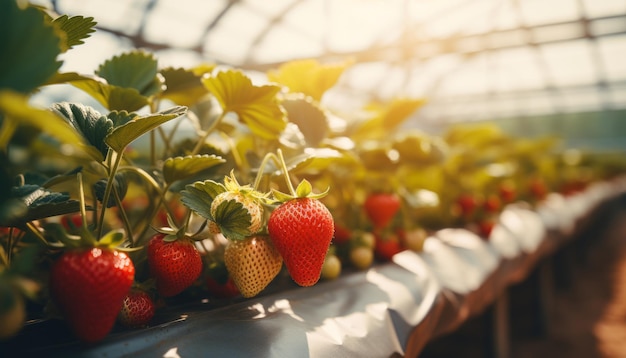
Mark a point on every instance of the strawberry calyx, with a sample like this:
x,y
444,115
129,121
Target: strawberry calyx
x,y
303,190
235,210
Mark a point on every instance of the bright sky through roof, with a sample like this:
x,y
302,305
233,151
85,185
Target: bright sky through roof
x,y
445,50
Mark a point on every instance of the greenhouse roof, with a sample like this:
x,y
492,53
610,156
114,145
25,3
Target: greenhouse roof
x,y
471,59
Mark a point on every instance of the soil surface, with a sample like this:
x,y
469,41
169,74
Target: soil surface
x,y
572,306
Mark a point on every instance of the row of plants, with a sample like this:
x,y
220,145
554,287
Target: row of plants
x,y
202,182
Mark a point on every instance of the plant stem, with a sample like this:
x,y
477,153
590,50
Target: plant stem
x,y
33,229
261,170
283,166
129,229
107,191
81,197
201,141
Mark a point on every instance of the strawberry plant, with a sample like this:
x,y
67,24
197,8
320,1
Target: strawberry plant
x,y
185,176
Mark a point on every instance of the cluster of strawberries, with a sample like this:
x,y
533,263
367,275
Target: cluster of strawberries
x,y
93,284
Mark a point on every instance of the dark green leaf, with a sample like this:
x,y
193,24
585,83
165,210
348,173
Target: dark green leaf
x,y
76,28
121,117
92,125
119,184
136,69
184,87
37,203
28,48
199,196
180,168
123,135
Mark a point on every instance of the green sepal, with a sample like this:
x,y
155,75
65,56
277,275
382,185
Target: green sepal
x,y
303,190
60,237
232,219
200,195
112,239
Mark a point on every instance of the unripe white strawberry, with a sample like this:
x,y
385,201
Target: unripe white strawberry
x,y
252,263
250,203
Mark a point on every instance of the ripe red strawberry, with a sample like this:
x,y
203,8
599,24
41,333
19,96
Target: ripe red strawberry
x,y
342,235
302,229
386,247
538,188
485,227
227,289
380,208
174,262
492,204
507,192
467,204
89,285
138,308
252,263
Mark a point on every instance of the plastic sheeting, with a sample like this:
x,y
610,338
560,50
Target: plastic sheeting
x,y
393,309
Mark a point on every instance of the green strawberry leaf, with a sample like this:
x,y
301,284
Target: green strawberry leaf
x,y
120,185
17,111
76,29
387,118
110,96
180,168
200,195
29,48
184,87
121,117
125,134
308,76
256,106
136,69
92,125
314,159
233,219
40,203
309,117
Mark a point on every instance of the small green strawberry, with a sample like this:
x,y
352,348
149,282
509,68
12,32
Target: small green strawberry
x,y
252,263
174,262
302,229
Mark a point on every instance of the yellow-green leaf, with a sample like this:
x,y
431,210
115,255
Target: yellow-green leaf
x,y
16,109
308,76
309,117
256,106
112,97
387,118
123,135
184,87
180,168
